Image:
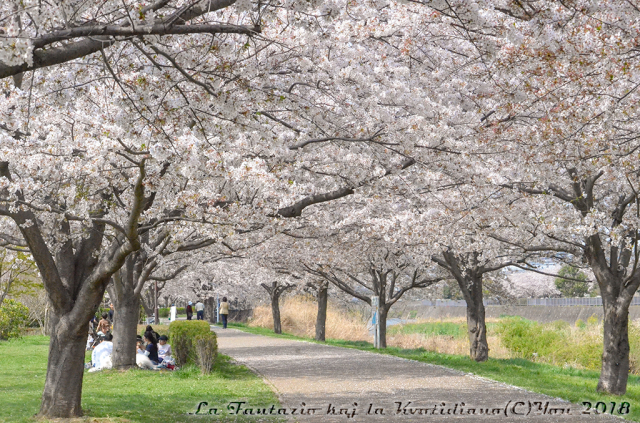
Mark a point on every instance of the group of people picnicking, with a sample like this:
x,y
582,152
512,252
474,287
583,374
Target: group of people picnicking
x,y
152,350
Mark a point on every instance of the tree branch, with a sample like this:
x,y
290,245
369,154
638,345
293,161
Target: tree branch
x,y
157,29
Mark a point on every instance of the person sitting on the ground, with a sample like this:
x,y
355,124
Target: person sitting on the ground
x,y
150,329
102,352
104,326
164,349
89,342
152,347
140,347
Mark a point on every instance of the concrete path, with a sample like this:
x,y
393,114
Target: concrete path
x,y
327,383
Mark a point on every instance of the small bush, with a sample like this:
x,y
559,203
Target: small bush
x,y
206,351
14,316
593,320
528,339
183,334
581,324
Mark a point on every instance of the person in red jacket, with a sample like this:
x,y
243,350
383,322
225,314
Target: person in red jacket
x,y
189,311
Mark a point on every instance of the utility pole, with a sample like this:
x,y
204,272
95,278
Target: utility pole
x,y
375,321
156,314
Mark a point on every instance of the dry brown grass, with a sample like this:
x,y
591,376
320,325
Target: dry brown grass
x,y
298,317
445,344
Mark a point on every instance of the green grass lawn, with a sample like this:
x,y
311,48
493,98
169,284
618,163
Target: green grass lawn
x,y
131,396
458,330
566,383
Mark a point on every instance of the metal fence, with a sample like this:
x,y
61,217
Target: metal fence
x,y
590,301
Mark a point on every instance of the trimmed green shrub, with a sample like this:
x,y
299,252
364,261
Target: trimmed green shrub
x,y
14,316
206,351
183,334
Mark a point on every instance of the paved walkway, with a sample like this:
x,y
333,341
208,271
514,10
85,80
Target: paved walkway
x,y
328,383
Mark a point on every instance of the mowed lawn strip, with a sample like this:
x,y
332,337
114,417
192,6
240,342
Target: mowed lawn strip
x,y
567,383
132,396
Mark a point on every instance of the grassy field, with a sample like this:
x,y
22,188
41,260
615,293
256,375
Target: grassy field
x,y
130,396
559,382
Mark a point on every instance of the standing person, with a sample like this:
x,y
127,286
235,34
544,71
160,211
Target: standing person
x,y
189,311
174,313
224,312
93,325
111,311
200,310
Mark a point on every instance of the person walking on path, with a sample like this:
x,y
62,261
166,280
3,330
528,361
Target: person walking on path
x,y
173,313
200,310
224,312
189,311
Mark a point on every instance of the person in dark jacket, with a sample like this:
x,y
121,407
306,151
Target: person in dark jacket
x,y
151,350
189,311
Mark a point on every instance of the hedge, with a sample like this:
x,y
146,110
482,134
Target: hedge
x,y
183,335
164,311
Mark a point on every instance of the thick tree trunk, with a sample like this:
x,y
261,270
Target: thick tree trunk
x,y
476,325
321,319
615,354
125,328
275,311
382,311
65,369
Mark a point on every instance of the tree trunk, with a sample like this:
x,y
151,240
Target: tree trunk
x,y
615,354
383,311
476,325
275,311
65,369
125,328
322,312
147,304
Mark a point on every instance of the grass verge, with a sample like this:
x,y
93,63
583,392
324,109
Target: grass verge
x,y
567,383
130,396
